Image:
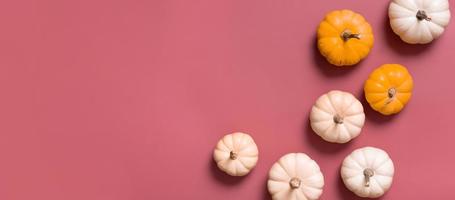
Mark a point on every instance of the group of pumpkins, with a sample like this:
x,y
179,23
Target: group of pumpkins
x,y
345,38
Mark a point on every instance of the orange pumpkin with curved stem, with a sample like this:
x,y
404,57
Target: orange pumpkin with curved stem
x,y
389,88
344,37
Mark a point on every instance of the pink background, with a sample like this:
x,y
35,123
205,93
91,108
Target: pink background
x,y
125,100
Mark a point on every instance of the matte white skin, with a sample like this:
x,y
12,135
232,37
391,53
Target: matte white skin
x,y
341,104
246,154
352,172
403,20
300,166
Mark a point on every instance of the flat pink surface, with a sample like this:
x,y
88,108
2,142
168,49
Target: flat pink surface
x,y
125,100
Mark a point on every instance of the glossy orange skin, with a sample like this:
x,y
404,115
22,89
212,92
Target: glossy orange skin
x,y
389,88
339,50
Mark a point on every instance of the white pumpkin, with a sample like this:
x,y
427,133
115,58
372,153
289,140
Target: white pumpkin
x,y
236,154
368,172
295,177
337,117
419,21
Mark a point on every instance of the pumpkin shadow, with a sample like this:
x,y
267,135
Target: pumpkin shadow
x,y
265,193
372,115
224,178
321,145
327,69
399,46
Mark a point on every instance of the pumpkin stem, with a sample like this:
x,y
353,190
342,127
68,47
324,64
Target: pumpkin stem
x,y
233,155
392,92
338,119
422,15
295,183
368,173
347,34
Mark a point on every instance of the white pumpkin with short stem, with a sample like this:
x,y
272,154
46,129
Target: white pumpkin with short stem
x,y
337,117
368,172
236,154
419,21
295,176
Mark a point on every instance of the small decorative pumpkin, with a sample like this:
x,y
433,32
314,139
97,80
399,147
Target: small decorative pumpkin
x,y
389,88
368,172
236,154
337,117
419,21
295,176
344,37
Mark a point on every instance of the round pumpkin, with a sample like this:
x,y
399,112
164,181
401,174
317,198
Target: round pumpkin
x,y
337,117
344,37
236,154
295,176
419,21
389,88
368,172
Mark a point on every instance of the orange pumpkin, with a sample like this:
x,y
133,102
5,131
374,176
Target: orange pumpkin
x,y
344,37
389,88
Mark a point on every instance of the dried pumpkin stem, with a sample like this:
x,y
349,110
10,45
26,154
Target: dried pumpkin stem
x,y
422,15
338,119
233,155
295,183
368,173
392,92
347,34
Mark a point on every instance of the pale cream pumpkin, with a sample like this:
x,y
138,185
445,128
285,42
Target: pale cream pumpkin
x,y
419,21
337,117
295,176
368,172
236,154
